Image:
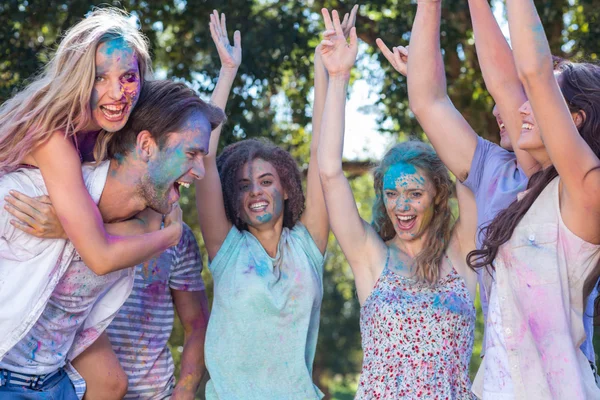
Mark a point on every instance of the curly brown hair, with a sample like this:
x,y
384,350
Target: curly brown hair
x,y
422,156
236,155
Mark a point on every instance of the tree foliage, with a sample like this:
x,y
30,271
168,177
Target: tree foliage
x,y
273,90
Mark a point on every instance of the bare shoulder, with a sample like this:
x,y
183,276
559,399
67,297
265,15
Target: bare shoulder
x,y
57,142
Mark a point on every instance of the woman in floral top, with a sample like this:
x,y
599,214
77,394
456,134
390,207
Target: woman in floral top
x,y
414,287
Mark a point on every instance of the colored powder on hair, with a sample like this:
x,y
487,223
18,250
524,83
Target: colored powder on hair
x,y
114,45
396,172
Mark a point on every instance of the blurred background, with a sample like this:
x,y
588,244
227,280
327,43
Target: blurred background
x,y
272,98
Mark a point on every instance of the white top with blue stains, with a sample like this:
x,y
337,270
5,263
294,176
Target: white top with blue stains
x,y
262,333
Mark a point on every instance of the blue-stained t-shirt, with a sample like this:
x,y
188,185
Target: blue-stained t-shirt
x,y
262,332
495,179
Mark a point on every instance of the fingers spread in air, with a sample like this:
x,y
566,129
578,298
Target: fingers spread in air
x,y
345,21
387,53
213,32
353,13
223,24
327,19
336,23
214,19
237,39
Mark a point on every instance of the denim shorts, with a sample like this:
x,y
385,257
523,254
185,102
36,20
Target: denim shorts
x,y
58,387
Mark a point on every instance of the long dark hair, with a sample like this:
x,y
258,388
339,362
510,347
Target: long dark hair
x,y
580,86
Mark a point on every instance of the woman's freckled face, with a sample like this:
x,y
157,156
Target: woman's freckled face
x,y
409,200
261,193
116,85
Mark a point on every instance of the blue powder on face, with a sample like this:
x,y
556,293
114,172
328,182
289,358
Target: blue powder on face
x,y
278,198
395,172
265,218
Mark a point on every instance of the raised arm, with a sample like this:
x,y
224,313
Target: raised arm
x,y
209,193
576,163
357,239
500,76
450,134
81,219
315,215
464,232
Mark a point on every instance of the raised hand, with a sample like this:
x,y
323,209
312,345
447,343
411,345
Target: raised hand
x,y
231,56
337,54
347,24
349,21
398,56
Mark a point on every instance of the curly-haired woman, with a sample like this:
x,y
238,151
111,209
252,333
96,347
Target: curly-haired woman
x,y
266,245
415,289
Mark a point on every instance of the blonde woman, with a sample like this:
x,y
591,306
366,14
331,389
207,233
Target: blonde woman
x,y
90,85
415,289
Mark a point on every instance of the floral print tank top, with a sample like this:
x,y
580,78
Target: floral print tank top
x,y
417,340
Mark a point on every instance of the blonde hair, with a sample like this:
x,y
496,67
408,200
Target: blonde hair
x,y
59,97
422,156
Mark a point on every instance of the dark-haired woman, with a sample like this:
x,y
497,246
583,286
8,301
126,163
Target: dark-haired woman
x,y
415,289
544,248
267,251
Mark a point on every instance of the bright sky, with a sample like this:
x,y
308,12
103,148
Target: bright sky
x,y
362,141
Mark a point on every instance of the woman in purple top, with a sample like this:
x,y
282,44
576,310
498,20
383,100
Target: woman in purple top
x,y
544,248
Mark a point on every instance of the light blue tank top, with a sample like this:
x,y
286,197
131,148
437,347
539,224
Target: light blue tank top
x,y
262,332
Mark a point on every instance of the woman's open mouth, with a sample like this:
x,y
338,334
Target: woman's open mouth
x,y
113,112
259,206
406,222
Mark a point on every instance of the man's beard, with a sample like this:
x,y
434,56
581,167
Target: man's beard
x,y
155,196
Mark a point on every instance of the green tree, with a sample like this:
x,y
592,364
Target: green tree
x,y
271,97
